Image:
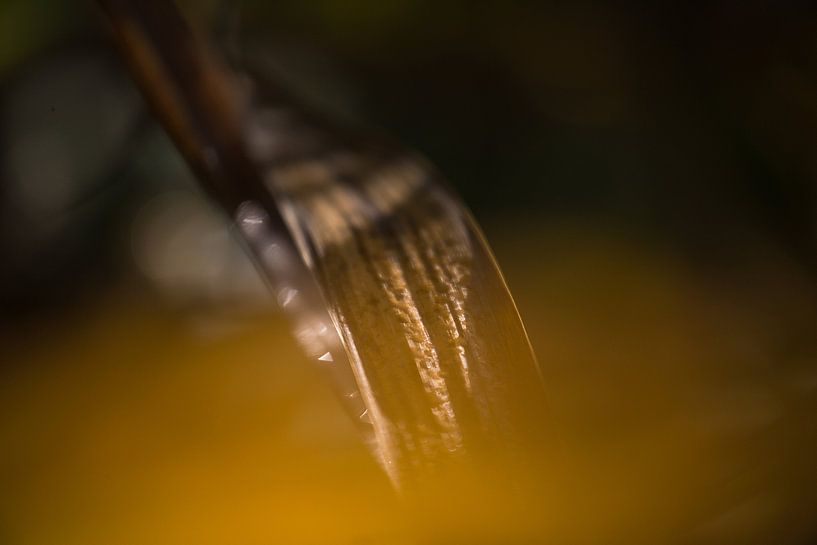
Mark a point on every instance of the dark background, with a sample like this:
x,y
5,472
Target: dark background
x,y
690,124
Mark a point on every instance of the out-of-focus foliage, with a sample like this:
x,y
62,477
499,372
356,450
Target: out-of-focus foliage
x,y
29,26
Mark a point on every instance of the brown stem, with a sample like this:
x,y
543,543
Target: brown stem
x,y
193,95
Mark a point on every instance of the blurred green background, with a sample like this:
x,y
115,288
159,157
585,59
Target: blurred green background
x,y
644,171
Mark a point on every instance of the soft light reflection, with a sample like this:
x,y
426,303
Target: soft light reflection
x,y
184,247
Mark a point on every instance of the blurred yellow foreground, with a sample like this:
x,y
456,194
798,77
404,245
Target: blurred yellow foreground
x,y
684,419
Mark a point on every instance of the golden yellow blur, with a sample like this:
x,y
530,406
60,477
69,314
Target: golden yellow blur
x,y
132,423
